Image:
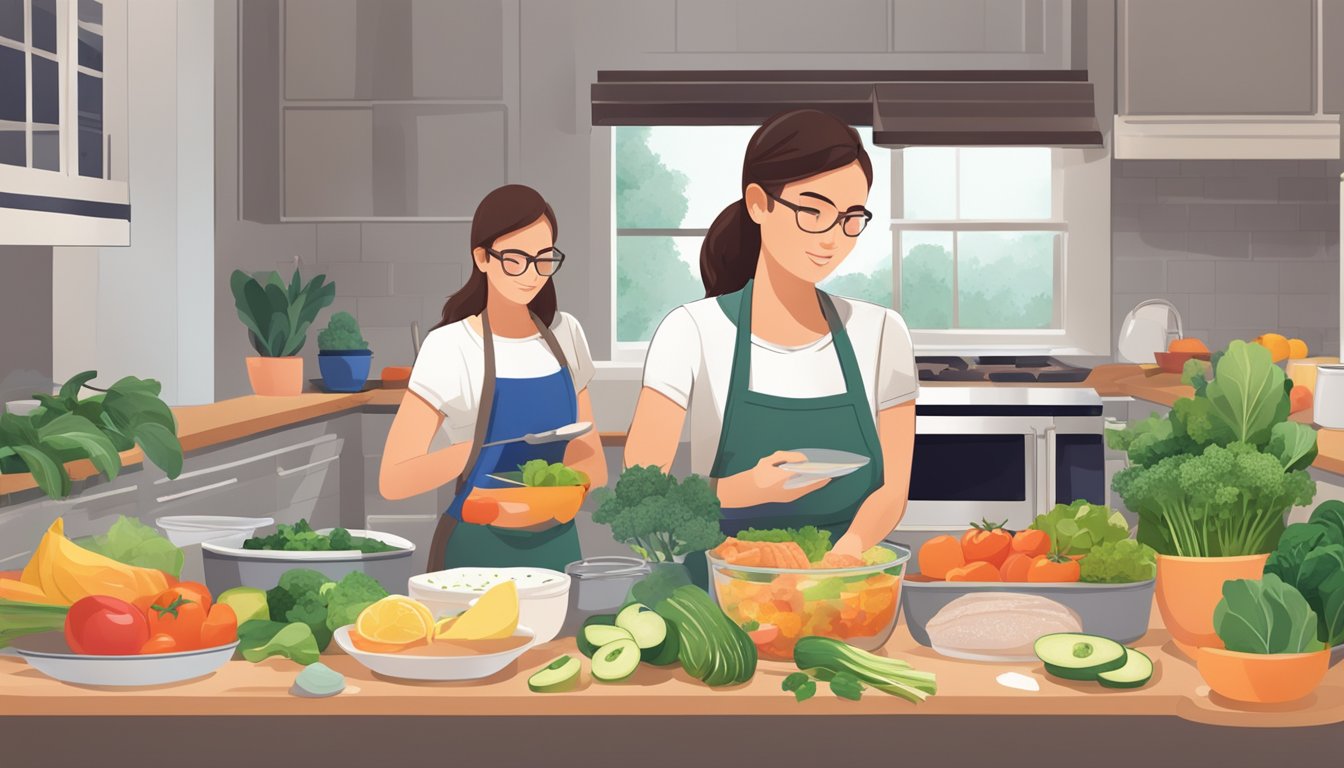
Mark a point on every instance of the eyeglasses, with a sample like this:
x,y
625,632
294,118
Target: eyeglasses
x,y
815,221
515,263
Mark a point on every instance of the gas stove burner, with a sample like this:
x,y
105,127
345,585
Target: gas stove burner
x,y
999,368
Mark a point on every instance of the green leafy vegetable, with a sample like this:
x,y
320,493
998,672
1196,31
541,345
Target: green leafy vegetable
x,y
311,608
1119,562
814,541
1075,529
1294,444
351,595
828,659
712,648
1330,514
1247,392
1310,557
1265,616
538,472
300,537
659,517
259,640
846,686
132,542
800,685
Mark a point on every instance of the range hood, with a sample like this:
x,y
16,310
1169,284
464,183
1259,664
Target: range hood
x,y
904,107
1227,137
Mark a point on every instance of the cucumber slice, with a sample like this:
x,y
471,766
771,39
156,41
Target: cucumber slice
x,y
647,628
585,647
665,653
601,634
1138,669
559,675
616,660
1077,656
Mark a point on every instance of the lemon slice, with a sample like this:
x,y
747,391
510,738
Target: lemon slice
x,y
442,626
396,620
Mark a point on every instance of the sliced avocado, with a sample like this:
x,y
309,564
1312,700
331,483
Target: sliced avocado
x,y
1077,656
603,619
616,660
559,675
1138,669
665,653
248,604
647,628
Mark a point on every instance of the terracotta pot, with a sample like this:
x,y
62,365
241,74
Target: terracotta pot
x,y
282,376
1188,589
1262,678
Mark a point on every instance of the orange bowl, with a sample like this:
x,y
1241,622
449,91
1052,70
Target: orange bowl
x,y
1174,362
535,505
1262,678
1189,588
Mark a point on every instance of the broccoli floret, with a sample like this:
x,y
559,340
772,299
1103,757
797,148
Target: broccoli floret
x,y
309,609
301,581
341,539
279,601
351,595
659,517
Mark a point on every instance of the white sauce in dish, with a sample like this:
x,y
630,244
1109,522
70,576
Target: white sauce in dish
x,y
481,579
1018,681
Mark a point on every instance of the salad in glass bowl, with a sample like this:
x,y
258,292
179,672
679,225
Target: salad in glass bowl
x,y
779,587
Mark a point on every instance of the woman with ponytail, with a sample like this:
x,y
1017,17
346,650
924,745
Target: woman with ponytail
x,y
503,363
768,364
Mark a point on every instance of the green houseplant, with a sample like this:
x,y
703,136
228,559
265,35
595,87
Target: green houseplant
x,y
1212,481
277,317
344,355
66,428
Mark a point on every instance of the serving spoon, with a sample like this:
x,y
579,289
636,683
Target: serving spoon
x,y
567,432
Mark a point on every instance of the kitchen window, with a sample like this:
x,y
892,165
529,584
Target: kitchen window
x,y
970,244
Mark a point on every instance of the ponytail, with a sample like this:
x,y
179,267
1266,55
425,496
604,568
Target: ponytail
x,y
730,251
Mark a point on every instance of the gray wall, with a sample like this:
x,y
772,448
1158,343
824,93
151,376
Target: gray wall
x,y
25,314
1240,247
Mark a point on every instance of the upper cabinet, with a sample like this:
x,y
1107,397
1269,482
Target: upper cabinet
x,y
63,148
363,110
1224,79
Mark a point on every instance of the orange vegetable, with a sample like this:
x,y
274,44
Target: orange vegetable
x,y
1015,567
173,614
1299,399
940,555
480,511
220,627
161,643
1053,568
986,542
1031,542
1188,345
977,571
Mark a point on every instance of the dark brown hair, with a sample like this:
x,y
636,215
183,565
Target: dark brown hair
x,y
505,210
787,147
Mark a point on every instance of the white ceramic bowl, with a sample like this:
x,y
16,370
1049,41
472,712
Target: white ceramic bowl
x,y
49,654
184,530
228,565
543,595
434,667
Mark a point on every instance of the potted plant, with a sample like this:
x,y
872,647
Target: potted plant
x,y
1211,483
277,319
1271,652
343,355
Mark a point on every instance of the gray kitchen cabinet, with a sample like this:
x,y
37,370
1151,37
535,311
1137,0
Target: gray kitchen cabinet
x,y
1216,57
1332,53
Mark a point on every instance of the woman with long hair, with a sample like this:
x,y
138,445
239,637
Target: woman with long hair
x,y
768,363
503,363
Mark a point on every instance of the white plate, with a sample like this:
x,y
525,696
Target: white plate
x,y
838,464
434,667
48,653
183,530
235,549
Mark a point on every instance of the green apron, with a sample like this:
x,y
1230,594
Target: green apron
x,y
756,425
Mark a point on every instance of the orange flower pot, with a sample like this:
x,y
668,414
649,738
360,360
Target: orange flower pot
x,y
275,376
1262,678
1189,588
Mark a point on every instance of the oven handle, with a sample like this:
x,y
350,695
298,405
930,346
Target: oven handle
x,y
1050,462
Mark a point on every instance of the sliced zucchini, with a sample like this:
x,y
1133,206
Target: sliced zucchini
x,y
665,653
1138,669
1077,656
605,620
616,660
647,628
559,675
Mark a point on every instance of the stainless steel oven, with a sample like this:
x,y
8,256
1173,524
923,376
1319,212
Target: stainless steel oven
x,y
1004,454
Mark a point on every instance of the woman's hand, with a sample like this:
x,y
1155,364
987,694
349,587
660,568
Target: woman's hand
x,y
847,553
764,483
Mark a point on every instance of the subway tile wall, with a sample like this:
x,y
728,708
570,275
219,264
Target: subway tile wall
x,y
1239,247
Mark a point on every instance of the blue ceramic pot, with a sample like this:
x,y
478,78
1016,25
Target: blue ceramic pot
x,y
344,370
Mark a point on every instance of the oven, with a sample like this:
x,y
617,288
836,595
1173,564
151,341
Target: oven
x,y
1003,454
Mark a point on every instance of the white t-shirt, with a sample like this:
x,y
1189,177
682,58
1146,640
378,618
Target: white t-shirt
x,y
690,360
450,370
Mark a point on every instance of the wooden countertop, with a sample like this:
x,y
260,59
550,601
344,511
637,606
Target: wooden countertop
x,y
965,688
202,426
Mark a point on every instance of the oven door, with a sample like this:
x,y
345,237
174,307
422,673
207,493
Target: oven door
x,y
972,468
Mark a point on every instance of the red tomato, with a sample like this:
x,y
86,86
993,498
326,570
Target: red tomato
x,y
1031,542
194,591
1016,566
986,542
1053,569
174,615
159,644
220,627
480,511
105,626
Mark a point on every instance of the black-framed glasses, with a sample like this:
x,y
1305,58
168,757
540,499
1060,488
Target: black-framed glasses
x,y
515,262
816,221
